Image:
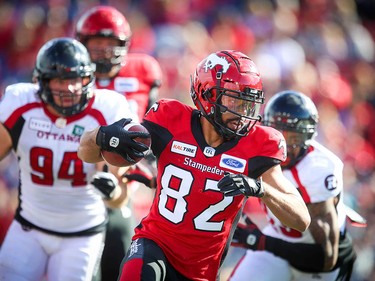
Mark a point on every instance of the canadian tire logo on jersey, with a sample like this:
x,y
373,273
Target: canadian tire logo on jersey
x,y
232,163
184,148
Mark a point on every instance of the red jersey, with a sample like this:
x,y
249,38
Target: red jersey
x,y
190,219
140,73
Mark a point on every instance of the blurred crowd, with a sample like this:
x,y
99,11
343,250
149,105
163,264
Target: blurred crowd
x,y
323,48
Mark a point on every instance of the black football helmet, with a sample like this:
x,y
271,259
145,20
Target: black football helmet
x,y
294,112
64,58
228,81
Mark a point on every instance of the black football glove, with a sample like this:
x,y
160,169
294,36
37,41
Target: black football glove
x,y
249,236
105,183
141,173
115,138
235,184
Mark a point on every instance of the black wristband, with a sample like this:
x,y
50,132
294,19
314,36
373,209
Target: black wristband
x,y
302,256
99,138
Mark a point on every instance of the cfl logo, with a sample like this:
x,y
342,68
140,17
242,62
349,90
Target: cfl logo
x,y
114,142
209,151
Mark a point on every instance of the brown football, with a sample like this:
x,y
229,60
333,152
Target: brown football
x,y
115,159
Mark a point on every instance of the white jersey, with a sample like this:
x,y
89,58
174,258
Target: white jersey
x,y
318,177
55,191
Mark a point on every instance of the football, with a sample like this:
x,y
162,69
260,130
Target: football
x,y
115,159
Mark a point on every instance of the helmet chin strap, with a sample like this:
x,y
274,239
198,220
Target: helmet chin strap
x,y
247,127
293,161
218,118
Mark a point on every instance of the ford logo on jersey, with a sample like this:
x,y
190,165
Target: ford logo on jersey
x,y
232,163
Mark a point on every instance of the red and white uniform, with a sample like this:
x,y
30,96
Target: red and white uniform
x,y
318,176
56,199
190,219
135,80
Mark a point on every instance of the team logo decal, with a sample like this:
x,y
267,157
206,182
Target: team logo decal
x,y
209,151
184,148
78,130
154,107
232,163
214,60
331,182
40,125
129,84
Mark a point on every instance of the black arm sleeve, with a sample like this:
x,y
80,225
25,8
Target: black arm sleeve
x,y
258,165
302,256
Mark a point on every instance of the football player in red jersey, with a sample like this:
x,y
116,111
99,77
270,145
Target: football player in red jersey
x,y
210,159
58,229
324,251
107,35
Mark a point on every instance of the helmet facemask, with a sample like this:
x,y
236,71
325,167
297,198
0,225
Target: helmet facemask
x,y
295,115
110,58
85,94
304,130
243,106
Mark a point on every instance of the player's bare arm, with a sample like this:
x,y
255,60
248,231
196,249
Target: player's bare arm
x,y
88,150
284,200
6,142
323,229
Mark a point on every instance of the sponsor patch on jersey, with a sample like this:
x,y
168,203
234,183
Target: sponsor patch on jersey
x,y
330,182
209,151
126,84
232,163
184,148
40,125
78,130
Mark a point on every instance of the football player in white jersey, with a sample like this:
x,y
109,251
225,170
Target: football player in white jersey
x,y
58,229
325,250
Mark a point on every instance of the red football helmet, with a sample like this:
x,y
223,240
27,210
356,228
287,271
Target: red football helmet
x,y
228,81
105,21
